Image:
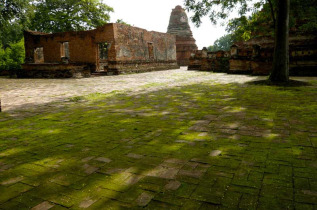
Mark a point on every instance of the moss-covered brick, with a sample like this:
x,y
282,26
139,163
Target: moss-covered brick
x,y
159,141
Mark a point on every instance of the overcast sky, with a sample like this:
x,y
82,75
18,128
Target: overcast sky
x,y
153,15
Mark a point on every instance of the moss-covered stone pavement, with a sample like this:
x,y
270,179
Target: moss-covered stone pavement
x,y
197,145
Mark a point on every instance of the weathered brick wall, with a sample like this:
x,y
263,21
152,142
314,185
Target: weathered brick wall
x,y
185,46
128,49
242,66
209,61
131,43
82,44
133,54
256,56
260,67
53,71
185,42
106,34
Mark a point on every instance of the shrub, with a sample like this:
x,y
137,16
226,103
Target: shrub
x,y
12,57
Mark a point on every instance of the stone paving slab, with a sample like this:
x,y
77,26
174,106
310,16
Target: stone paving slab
x,y
171,139
25,93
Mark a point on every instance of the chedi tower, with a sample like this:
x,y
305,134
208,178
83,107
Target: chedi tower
x,y
185,42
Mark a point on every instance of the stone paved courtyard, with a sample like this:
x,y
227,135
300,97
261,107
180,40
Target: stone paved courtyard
x,y
20,93
171,139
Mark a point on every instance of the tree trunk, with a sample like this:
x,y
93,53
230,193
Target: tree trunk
x,y
280,71
272,12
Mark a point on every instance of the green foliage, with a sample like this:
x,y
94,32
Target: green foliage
x,y
12,57
245,28
219,9
223,43
15,16
303,16
69,15
303,19
10,9
11,33
242,28
47,16
122,22
211,48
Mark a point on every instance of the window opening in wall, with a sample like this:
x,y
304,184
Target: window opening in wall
x,y
38,55
234,51
151,50
65,50
103,50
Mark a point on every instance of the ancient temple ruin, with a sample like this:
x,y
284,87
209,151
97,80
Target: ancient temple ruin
x,y
185,42
110,49
256,57
209,61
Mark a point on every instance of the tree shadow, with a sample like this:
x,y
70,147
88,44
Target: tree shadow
x,y
159,149
290,83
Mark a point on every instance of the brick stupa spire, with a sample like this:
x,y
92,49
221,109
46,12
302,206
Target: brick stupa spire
x,y
185,42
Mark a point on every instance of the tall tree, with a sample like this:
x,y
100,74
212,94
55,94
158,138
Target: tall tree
x,y
221,9
43,15
69,15
303,20
10,9
223,43
14,17
280,71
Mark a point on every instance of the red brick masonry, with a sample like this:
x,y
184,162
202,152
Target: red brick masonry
x,y
113,48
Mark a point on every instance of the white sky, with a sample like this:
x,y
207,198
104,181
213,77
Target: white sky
x,y
153,15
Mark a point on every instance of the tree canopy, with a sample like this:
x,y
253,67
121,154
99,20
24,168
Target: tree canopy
x,y
49,16
46,16
223,43
11,10
303,20
303,17
12,56
15,15
216,10
69,15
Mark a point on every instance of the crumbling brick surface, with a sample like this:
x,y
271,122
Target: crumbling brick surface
x,y
209,61
53,71
256,57
125,49
133,46
185,42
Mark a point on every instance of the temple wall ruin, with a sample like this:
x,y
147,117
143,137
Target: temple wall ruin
x,y
82,44
256,57
112,48
185,42
209,61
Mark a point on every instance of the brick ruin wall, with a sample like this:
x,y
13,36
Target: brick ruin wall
x,y
82,45
185,42
128,51
209,61
82,52
184,48
139,50
256,57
